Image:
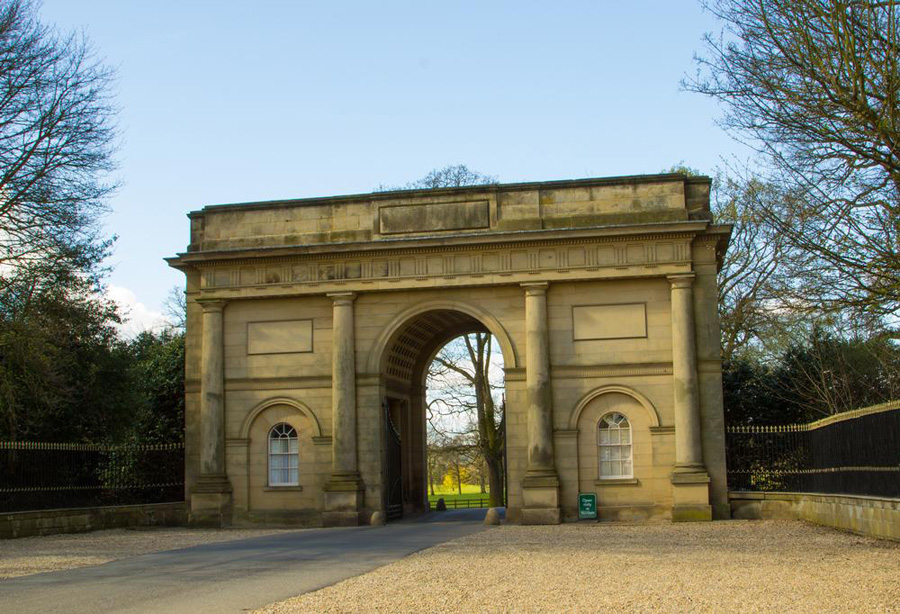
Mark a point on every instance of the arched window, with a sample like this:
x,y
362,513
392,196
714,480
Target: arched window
x,y
284,457
614,446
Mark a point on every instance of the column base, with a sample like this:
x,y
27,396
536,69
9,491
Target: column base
x,y
540,498
344,495
211,502
690,492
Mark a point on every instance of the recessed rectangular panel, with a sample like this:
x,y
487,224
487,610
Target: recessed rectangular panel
x,y
576,256
547,258
434,217
519,260
626,321
353,270
221,279
462,264
407,266
285,337
634,254
606,254
434,265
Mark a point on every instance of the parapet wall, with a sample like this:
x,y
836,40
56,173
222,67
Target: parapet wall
x,y
79,520
870,516
389,216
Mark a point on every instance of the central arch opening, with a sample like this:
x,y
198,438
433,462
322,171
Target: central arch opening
x,y
466,424
461,424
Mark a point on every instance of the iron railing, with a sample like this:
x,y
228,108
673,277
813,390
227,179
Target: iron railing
x,y
467,503
855,453
36,475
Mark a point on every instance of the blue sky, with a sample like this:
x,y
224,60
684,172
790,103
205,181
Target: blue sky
x,y
236,101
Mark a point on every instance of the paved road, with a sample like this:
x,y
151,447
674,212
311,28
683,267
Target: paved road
x,y
231,576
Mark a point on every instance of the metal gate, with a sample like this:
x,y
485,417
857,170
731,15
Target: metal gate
x,y
394,475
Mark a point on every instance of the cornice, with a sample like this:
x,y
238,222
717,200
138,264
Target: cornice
x,y
560,259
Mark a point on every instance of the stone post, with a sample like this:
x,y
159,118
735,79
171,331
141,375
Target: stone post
x,y
344,491
211,495
540,488
690,480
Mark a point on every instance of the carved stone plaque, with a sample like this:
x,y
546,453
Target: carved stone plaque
x,y
286,337
626,321
434,217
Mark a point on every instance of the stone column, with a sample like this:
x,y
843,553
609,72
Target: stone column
x,y
541,485
537,381
343,387
690,479
211,495
688,446
343,493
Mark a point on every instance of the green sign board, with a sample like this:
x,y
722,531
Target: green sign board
x,y
587,505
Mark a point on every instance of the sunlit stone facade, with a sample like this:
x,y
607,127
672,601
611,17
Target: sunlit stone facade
x,y
321,315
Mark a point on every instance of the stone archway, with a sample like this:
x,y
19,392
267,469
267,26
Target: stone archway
x,y
339,303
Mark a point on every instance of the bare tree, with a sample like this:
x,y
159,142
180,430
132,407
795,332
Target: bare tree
x,y
823,373
752,277
813,85
175,307
468,384
451,176
56,142
56,147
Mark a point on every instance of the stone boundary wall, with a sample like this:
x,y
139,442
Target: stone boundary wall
x,y
871,516
77,520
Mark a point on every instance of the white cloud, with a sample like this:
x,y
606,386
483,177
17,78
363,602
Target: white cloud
x,y
136,317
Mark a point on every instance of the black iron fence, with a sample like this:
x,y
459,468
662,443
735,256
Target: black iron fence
x,y
37,476
466,503
855,453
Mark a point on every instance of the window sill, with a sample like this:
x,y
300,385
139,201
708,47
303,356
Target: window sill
x,y
282,489
617,482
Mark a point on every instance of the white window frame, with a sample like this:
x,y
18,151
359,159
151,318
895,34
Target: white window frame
x,y
283,446
617,450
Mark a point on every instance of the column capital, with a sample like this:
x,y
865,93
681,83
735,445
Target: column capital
x,y
342,298
682,280
535,288
211,305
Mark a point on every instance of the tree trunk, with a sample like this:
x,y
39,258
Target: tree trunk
x,y
458,478
431,478
481,476
495,478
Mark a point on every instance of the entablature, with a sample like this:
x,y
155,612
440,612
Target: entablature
x,y
467,261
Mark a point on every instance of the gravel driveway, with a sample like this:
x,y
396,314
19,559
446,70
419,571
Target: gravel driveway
x,y
740,566
30,555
